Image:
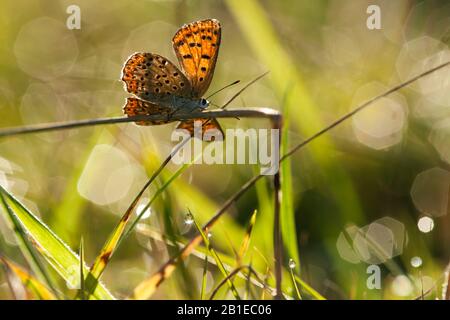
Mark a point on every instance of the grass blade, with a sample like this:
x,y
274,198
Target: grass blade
x,y
28,250
31,283
82,283
288,224
246,241
60,257
265,217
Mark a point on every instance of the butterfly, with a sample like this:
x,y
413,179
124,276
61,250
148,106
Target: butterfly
x,y
159,87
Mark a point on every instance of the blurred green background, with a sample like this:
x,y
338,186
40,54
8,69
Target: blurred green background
x,y
382,177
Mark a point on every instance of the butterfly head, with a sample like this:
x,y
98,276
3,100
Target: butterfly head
x,y
203,103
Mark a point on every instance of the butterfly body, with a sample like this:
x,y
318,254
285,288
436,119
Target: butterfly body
x,y
160,87
183,104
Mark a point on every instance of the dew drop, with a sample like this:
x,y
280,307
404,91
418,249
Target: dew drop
x,y
425,224
292,264
189,219
416,262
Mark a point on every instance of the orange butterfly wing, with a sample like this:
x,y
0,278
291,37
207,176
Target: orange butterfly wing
x,y
152,77
197,47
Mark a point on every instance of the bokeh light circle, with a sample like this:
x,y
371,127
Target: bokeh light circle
x,y
429,192
45,48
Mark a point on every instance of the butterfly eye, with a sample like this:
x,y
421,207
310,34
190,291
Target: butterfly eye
x,y
204,102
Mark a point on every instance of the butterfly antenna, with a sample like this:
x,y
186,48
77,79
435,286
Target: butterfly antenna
x,y
245,87
227,86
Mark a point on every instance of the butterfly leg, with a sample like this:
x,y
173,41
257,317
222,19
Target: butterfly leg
x,y
169,115
172,113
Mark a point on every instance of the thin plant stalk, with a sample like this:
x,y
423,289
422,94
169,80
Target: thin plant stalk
x,y
205,273
297,291
82,284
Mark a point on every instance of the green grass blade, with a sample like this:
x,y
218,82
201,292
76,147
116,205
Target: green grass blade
x,y
246,241
28,250
49,245
265,219
288,224
82,283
